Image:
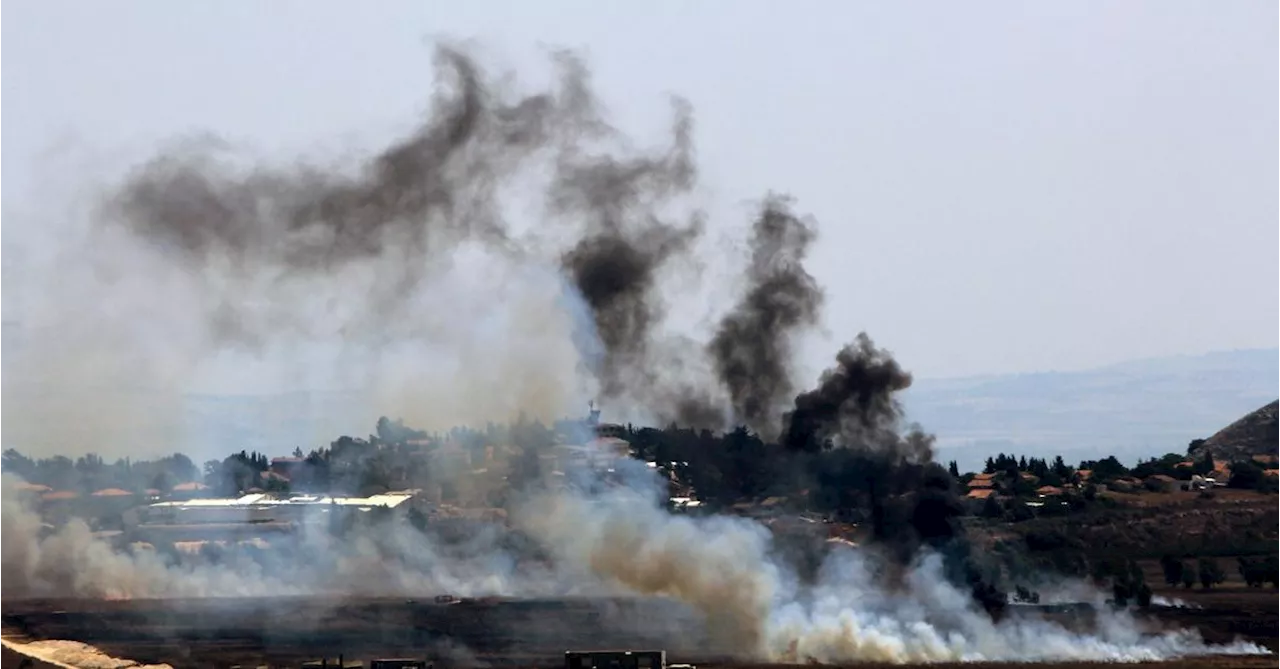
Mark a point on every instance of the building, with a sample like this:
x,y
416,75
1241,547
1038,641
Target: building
x,y
247,516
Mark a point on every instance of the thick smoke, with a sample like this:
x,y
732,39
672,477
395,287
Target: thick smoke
x,y
387,560
755,608
751,348
855,406
265,236
391,226
628,240
449,312
874,462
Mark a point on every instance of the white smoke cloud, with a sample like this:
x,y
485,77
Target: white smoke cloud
x,y
721,566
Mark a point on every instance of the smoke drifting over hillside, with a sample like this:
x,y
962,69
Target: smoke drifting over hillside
x,y
444,309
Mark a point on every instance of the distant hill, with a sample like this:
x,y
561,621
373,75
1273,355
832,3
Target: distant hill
x,y
1132,410
1257,433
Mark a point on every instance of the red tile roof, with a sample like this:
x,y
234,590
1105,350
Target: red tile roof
x,y
112,492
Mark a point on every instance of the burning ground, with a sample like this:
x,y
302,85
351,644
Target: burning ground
x,y
424,288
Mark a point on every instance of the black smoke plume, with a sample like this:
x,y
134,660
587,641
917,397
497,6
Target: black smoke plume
x,y
751,349
855,406
256,234
868,459
418,198
628,239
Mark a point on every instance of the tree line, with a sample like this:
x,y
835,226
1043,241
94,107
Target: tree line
x,y
723,469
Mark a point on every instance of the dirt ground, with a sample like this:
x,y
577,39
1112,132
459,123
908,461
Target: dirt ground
x,y
284,632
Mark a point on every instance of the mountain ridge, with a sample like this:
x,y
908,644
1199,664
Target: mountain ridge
x,y
1131,409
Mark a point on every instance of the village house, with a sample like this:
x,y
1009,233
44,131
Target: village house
x,y
982,481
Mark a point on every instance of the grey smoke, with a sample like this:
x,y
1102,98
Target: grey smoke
x,y
751,348
267,256
260,238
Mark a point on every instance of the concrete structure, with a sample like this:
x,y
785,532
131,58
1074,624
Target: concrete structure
x,y
615,659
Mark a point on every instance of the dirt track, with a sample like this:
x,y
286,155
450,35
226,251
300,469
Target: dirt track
x,y
283,632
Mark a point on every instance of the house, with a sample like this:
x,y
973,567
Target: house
x,y
982,481
1049,491
980,493
112,492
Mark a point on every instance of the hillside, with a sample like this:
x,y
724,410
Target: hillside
x,y
1255,434
1133,410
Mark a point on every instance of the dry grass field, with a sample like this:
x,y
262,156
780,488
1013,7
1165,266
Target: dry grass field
x,y
284,632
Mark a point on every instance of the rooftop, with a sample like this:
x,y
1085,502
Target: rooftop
x,y
390,500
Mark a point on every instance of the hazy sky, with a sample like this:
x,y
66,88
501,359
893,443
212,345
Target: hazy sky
x,y
1001,186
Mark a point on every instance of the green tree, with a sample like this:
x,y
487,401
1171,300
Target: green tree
x,y
1246,475
1060,468
1271,570
1105,469
1172,568
1210,573
1143,595
991,508
1188,575
1205,465
1258,571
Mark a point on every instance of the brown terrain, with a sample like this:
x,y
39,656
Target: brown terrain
x,y
284,632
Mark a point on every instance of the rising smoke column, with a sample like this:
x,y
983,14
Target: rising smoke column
x,y
751,348
628,239
871,460
854,406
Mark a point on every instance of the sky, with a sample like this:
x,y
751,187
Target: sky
x,y
1000,187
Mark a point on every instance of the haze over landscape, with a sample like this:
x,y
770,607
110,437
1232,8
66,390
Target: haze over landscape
x,y
800,335
981,214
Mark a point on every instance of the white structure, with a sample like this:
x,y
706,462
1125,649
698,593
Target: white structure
x,y
260,508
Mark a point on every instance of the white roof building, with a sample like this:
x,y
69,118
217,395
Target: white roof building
x,y
262,499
